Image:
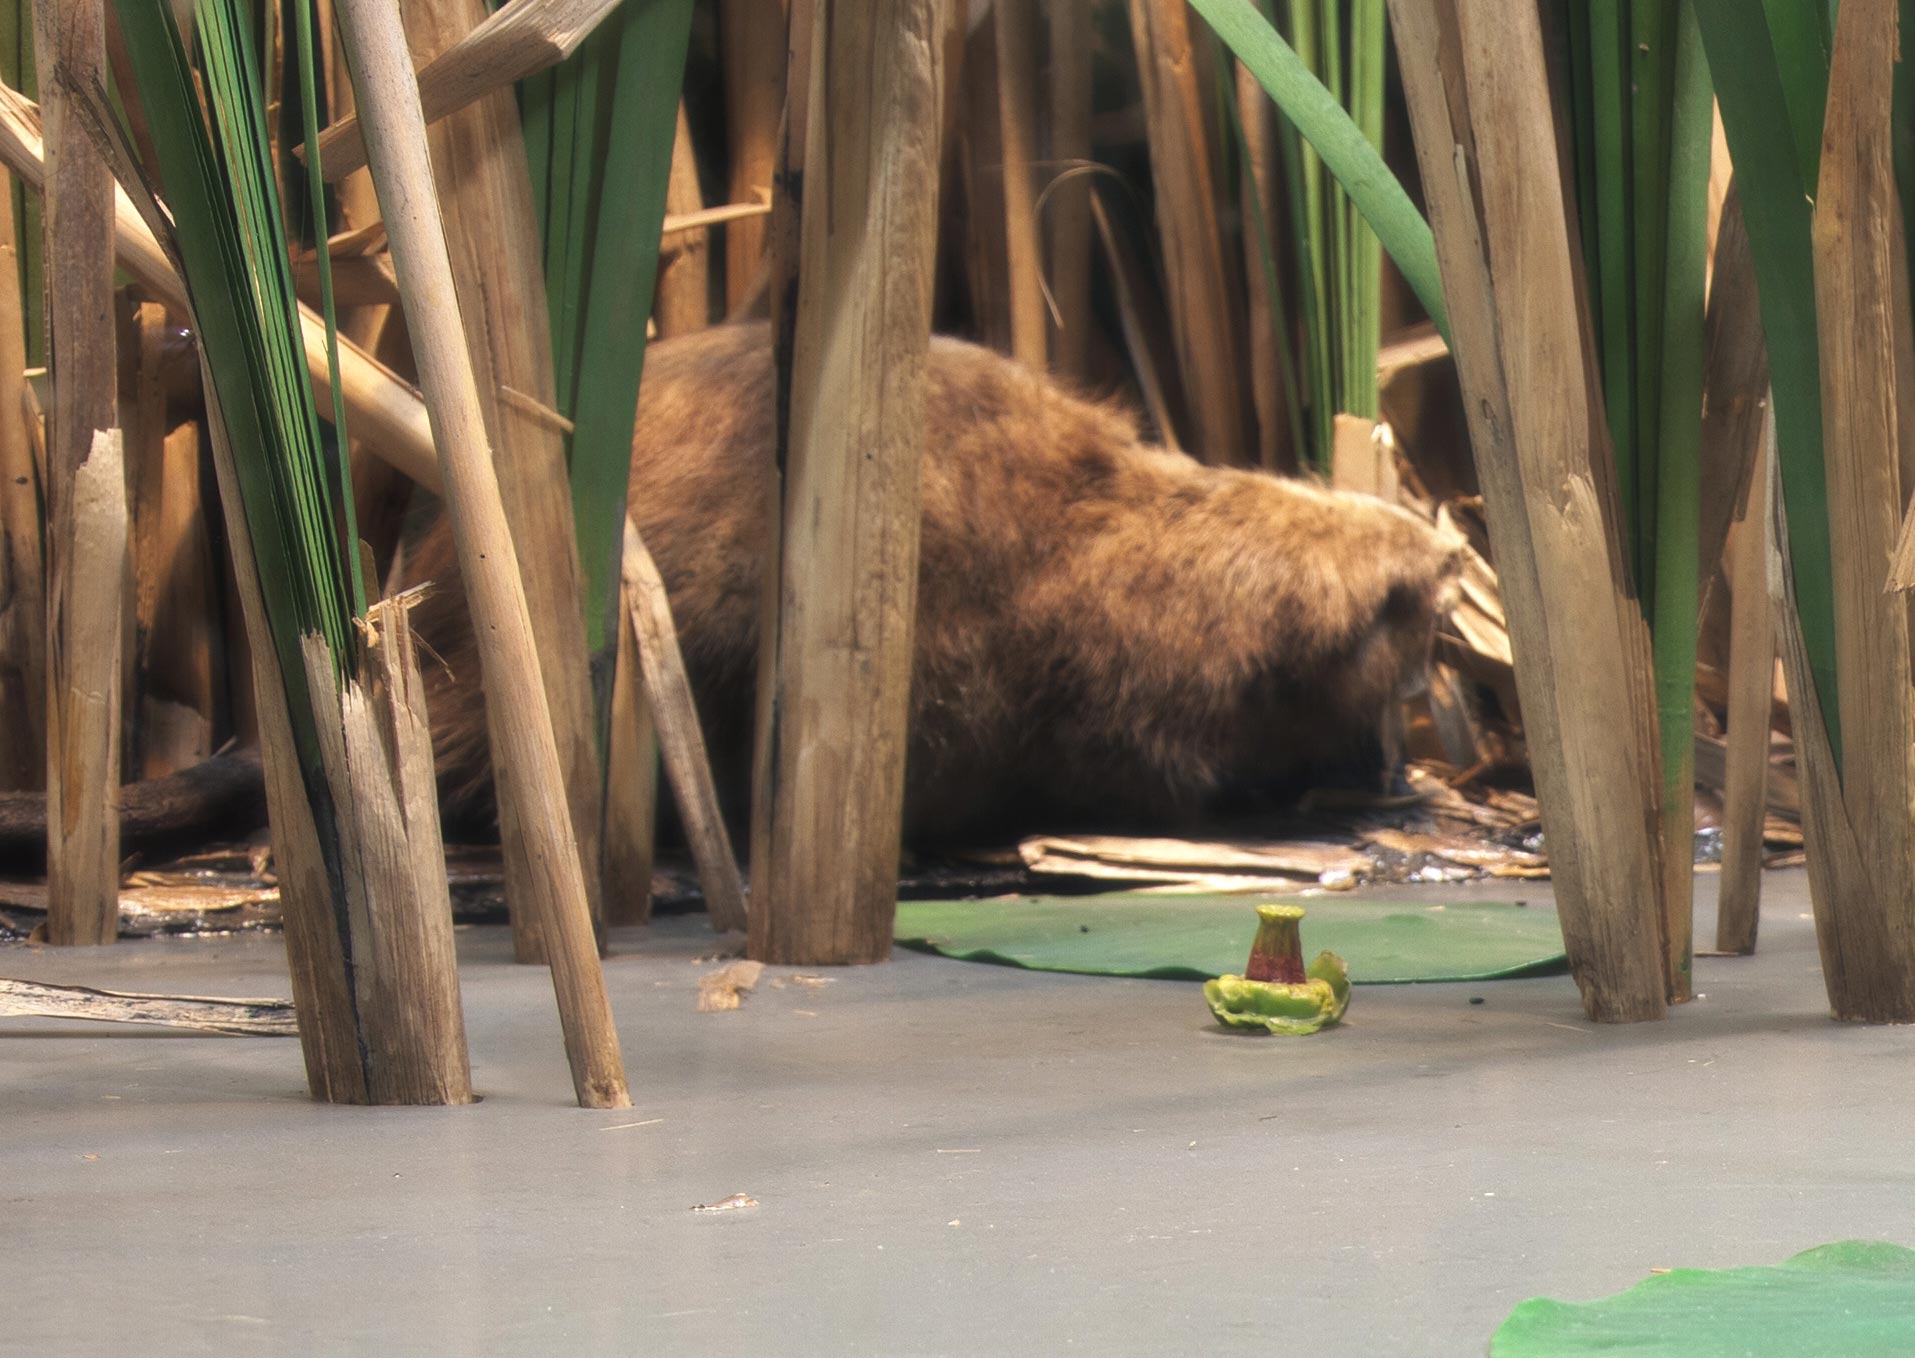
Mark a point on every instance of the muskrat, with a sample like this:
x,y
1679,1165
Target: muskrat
x,y
1108,633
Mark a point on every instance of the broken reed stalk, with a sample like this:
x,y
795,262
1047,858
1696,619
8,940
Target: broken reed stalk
x,y
525,758
1735,385
520,38
199,1013
375,986
1473,77
377,745
1362,456
681,303
752,47
1862,845
1014,32
1068,203
1751,686
836,661
669,694
1198,280
86,504
23,608
492,237
629,837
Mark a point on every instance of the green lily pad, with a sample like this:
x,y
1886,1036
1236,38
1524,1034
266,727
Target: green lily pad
x,y
1195,938
1852,1299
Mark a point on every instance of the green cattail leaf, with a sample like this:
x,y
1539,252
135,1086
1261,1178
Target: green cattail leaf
x,y
216,171
1764,81
614,102
1346,152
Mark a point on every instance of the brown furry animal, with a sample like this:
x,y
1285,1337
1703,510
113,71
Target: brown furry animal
x,y
1107,632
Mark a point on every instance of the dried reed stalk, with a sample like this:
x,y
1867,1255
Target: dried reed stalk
x,y
1262,172
175,590
1858,822
682,302
978,206
830,797
492,236
752,47
1751,557
1473,77
23,606
669,695
386,411
199,1013
1198,281
86,630
518,39
381,494
1068,201
1014,34
629,839
86,499
525,755
783,243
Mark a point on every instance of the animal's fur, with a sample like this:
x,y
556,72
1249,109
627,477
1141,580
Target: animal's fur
x,y
1106,631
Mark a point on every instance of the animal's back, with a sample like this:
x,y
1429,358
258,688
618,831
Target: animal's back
x,y
1104,630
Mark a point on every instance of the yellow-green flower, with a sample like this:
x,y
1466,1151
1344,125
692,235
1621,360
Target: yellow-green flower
x,y
1278,993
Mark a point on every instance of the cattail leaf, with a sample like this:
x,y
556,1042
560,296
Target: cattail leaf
x,y
1763,85
1346,152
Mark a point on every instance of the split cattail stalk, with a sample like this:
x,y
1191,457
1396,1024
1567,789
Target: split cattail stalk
x,y
1473,77
492,235
368,926
525,755
377,746
669,694
1858,822
825,873
86,495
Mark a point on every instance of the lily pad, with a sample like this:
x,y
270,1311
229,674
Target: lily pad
x,y
1197,937
1852,1299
